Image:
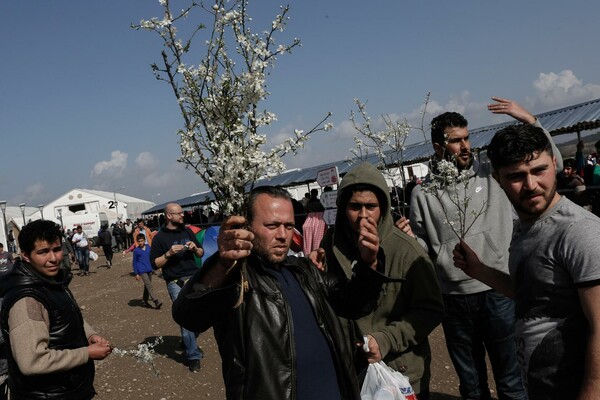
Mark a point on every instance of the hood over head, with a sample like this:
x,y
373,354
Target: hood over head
x,y
368,175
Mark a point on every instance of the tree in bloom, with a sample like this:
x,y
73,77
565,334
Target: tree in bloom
x,y
219,97
385,145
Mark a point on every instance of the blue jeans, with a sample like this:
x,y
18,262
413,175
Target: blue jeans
x,y
189,338
83,258
473,324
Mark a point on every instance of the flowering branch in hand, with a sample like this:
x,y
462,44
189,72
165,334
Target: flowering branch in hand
x,y
219,97
447,181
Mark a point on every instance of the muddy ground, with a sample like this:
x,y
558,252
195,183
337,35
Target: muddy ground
x,y
111,301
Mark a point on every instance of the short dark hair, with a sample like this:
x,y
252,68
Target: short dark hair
x,y
443,121
597,144
569,163
38,230
273,191
517,143
140,236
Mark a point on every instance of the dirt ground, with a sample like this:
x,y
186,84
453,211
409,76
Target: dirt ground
x,y
111,301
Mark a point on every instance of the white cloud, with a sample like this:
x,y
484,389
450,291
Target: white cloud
x,y
115,166
34,190
344,129
146,161
557,90
159,179
460,103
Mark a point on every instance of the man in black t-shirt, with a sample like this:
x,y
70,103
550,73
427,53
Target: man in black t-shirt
x,y
173,249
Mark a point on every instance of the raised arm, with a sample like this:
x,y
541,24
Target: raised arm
x,y
234,244
518,112
467,260
214,290
511,108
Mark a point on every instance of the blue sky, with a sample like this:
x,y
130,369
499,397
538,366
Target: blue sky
x,y
79,106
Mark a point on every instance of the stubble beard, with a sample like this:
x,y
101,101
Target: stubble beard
x,y
177,224
532,214
264,253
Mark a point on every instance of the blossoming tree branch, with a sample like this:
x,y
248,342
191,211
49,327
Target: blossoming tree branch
x,y
219,97
450,182
387,144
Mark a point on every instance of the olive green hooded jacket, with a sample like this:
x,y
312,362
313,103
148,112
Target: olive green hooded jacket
x,y
410,306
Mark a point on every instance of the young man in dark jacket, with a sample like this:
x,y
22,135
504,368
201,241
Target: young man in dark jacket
x,y
410,306
284,341
51,347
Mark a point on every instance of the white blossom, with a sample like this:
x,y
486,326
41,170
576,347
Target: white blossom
x,y
219,98
143,353
448,183
387,144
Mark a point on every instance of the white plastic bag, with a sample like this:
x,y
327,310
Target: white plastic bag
x,y
383,383
93,256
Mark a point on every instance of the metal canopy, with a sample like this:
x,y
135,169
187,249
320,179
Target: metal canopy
x,y
571,119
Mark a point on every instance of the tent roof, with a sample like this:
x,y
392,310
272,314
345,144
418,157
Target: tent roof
x,y
571,119
578,117
574,118
193,200
110,195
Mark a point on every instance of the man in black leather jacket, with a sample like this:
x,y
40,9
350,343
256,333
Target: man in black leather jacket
x,y
284,341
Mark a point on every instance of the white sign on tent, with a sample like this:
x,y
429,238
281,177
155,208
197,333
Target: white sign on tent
x,y
328,176
329,216
328,199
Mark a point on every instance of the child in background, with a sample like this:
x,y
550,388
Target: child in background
x,y
143,270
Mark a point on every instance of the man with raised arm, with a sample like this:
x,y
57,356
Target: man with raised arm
x,y
478,319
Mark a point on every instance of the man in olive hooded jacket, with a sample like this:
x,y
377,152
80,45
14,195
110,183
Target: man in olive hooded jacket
x,y
410,306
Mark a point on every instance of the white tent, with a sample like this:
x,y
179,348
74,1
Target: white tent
x,y
14,221
116,206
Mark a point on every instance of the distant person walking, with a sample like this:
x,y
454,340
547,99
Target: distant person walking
x,y
128,226
119,234
12,244
314,226
143,270
6,259
106,241
82,251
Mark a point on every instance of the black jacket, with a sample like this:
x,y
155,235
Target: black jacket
x,y
256,340
66,332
